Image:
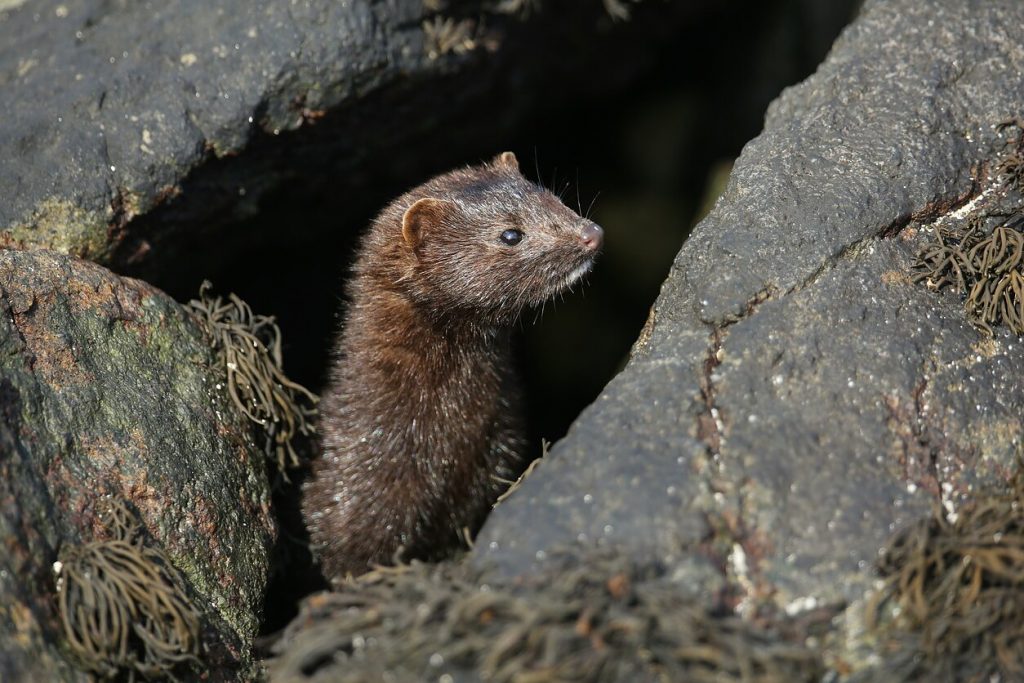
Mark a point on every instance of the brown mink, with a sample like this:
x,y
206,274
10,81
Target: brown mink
x,y
420,418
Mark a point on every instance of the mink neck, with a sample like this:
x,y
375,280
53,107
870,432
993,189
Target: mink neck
x,y
438,336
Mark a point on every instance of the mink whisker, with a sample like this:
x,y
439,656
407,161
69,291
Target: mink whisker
x,y
579,204
591,207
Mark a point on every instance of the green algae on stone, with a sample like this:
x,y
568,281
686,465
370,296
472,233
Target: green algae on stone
x,y
62,226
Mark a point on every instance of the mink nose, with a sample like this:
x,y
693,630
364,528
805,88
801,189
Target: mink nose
x,y
592,236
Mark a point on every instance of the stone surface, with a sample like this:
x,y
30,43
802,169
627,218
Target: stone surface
x,y
135,130
116,103
794,398
108,390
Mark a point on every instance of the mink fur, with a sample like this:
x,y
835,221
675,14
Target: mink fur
x,y
420,419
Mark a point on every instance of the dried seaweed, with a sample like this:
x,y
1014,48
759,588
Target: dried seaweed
x,y
122,605
514,486
601,618
618,10
444,35
522,8
1012,167
985,266
249,346
956,588
988,268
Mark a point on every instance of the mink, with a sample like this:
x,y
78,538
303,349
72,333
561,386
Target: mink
x,y
420,422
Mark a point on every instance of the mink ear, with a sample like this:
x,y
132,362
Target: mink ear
x,y
422,217
507,159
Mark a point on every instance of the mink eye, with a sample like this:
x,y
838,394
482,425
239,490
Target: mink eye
x,y
512,237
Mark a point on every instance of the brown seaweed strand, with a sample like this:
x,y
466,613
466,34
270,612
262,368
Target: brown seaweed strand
x,y
987,268
122,604
604,619
249,346
959,586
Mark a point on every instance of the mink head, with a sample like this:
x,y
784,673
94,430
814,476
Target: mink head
x,y
485,242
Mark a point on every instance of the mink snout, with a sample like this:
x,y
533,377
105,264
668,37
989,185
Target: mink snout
x,y
592,236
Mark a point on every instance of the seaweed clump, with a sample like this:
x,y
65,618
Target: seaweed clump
x,y
953,593
600,618
1012,167
985,265
618,10
988,268
249,347
444,35
122,604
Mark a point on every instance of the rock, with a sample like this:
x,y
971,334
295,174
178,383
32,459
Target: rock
x,y
795,398
108,392
134,131
115,104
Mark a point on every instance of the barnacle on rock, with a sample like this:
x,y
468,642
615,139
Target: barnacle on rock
x,y
122,605
249,347
955,585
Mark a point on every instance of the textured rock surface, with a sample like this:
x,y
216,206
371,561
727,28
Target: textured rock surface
x,y
106,390
116,103
140,128
794,398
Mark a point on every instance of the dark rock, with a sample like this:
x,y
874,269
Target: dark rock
x,y
134,131
794,399
107,392
116,103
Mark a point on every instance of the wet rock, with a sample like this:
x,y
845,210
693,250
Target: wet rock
x,y
795,398
107,394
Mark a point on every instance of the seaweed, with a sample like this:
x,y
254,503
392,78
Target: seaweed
x,y
953,592
522,8
1012,167
985,266
122,604
249,348
602,617
618,10
988,268
444,35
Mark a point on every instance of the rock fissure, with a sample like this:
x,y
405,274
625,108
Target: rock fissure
x,y
710,425
932,212
733,546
